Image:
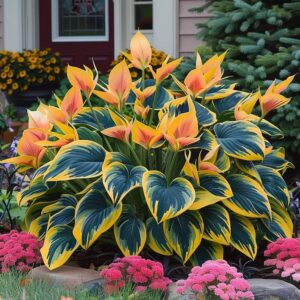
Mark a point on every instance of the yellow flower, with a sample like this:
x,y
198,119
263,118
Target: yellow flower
x,y
48,69
22,73
15,86
134,74
51,78
21,59
47,62
56,70
32,67
33,79
10,74
4,86
9,92
6,69
32,60
9,81
53,60
25,87
40,80
3,75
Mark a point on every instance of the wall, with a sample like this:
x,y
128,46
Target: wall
x,y
187,29
1,25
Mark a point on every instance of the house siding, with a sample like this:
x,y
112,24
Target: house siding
x,y
1,26
187,40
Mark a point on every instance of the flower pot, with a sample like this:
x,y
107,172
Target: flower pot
x,y
22,101
7,136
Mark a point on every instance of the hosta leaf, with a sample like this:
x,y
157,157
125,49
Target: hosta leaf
x,y
130,232
58,246
112,157
161,99
229,103
268,128
166,201
207,251
249,198
216,224
243,235
276,228
94,215
120,179
214,188
204,115
207,141
86,117
283,213
63,201
274,185
34,211
184,233
87,134
248,167
156,239
62,217
38,226
33,191
241,139
276,160
222,161
79,159
219,92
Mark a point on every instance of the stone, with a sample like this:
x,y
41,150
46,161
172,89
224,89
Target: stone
x,y
69,277
263,289
173,295
273,289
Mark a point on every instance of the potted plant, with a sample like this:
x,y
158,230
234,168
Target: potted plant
x,y
29,75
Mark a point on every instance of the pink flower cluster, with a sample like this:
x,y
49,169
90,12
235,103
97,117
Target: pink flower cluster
x,y
142,273
216,280
20,251
284,256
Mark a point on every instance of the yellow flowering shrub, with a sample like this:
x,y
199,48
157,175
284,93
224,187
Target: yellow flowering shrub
x,y
158,57
20,70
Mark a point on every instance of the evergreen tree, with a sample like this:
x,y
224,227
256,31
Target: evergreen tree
x,y
263,43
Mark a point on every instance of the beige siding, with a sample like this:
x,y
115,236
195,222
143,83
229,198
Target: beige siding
x,y
187,40
1,25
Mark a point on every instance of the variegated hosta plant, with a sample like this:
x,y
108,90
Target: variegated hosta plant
x,y
189,171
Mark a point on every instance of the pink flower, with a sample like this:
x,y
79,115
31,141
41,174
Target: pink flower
x,y
240,284
197,287
138,277
140,289
296,277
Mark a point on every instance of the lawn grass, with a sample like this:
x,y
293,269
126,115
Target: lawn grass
x,y
11,289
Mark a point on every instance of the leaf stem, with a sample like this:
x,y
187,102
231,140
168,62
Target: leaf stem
x,y
134,154
154,104
170,167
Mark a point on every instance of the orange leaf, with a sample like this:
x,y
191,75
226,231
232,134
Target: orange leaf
x,y
82,79
72,102
141,51
146,136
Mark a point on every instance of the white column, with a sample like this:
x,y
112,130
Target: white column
x,y
12,25
20,24
165,26
119,29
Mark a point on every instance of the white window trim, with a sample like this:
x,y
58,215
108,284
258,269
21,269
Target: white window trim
x,y
55,32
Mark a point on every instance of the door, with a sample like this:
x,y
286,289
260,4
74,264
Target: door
x,y
81,30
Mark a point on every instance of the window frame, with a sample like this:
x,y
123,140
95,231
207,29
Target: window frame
x,y
140,3
89,38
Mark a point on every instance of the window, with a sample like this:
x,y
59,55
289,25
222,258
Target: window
x,y
79,20
143,15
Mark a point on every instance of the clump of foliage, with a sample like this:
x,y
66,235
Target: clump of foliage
x,y
144,274
19,251
215,280
191,171
157,59
263,43
20,70
284,256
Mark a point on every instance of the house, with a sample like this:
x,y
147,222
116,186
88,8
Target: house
x,y
82,30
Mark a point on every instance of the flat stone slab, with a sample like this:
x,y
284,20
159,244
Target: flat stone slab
x,y
263,289
68,277
273,289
